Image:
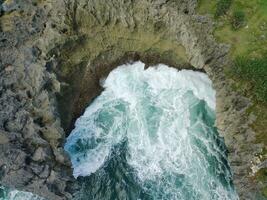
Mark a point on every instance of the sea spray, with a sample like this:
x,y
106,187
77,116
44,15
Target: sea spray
x,y
151,135
8,194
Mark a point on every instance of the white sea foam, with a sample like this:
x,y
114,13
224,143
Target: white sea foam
x,y
171,148
19,195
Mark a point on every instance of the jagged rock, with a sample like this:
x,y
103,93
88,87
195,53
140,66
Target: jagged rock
x,y
41,154
2,171
3,137
36,168
45,173
52,135
9,6
62,157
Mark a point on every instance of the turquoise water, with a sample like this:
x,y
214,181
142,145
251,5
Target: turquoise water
x,y
151,135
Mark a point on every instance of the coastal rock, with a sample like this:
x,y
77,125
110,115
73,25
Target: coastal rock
x,y
3,138
41,154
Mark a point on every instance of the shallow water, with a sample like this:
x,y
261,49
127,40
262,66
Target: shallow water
x,y
151,135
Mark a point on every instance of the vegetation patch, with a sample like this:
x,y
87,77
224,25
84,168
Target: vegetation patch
x,y
238,19
248,40
252,73
222,7
244,27
262,174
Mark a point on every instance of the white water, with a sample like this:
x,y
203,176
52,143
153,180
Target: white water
x,y
6,194
167,118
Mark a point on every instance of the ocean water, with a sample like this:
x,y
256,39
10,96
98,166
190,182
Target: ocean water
x,y
151,135
8,194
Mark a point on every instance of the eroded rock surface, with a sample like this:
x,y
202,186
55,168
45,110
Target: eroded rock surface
x,y
53,55
31,134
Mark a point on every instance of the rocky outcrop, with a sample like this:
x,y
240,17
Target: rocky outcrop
x,y
53,55
31,136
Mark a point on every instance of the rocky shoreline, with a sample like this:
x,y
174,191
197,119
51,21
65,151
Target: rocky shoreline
x,y
53,55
